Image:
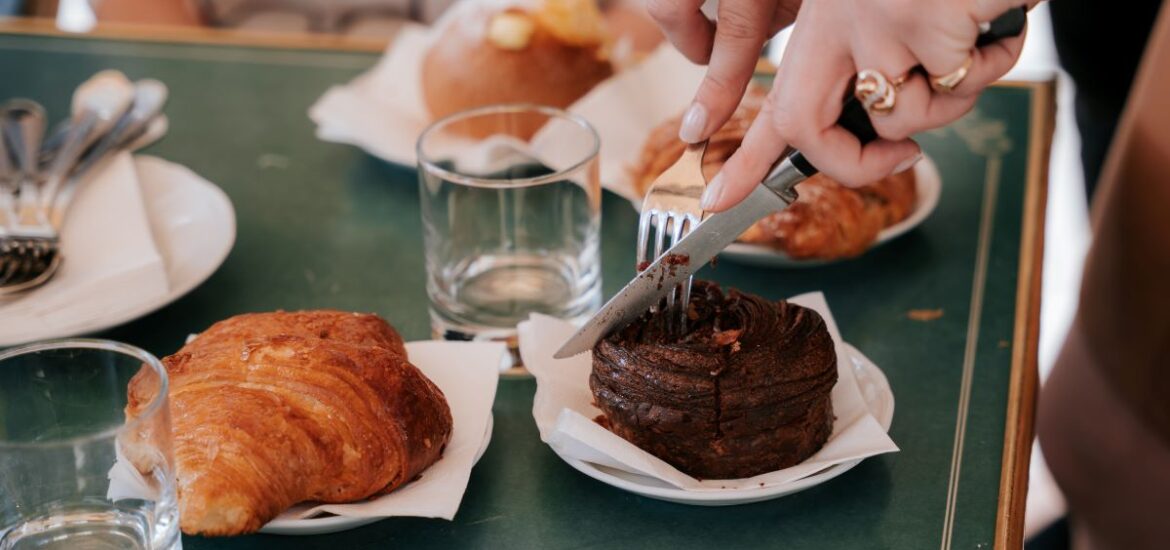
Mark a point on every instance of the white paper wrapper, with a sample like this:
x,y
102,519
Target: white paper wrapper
x,y
564,412
383,112
467,373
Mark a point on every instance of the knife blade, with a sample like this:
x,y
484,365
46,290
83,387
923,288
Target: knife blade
x,y
685,258
719,230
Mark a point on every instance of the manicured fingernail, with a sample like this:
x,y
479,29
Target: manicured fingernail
x,y
694,121
908,163
712,193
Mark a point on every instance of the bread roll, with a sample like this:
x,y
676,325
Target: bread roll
x,y
550,52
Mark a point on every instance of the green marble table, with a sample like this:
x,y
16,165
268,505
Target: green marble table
x,y
324,225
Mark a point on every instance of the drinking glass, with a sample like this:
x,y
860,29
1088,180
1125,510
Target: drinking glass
x,y
511,211
75,470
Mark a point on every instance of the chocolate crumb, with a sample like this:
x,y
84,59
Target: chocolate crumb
x,y
924,315
726,337
602,421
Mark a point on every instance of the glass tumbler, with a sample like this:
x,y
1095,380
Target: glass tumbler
x,y
76,470
511,211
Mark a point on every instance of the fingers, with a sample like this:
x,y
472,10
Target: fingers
x,y
746,168
743,27
945,48
686,26
838,155
989,64
895,61
988,10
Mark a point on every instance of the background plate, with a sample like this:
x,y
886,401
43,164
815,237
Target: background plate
x,y
929,186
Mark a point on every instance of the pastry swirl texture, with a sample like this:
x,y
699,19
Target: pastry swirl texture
x,y
273,409
744,392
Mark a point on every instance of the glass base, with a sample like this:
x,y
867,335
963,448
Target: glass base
x,y
91,527
443,328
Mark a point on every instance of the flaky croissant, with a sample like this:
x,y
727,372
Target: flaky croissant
x,y
828,221
273,409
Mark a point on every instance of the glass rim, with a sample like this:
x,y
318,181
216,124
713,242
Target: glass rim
x,y
95,344
503,183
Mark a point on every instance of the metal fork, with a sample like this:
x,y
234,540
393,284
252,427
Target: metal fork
x,y
672,206
28,249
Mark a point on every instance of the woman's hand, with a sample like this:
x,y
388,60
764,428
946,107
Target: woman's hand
x,y
730,48
832,42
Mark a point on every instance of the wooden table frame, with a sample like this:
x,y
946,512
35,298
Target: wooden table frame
x,y
1019,431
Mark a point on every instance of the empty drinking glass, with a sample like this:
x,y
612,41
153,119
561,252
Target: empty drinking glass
x,y
76,471
511,210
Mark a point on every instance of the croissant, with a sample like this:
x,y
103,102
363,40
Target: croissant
x,y
828,221
273,409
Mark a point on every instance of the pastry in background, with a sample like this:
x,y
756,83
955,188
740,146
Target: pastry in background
x,y
547,52
746,391
272,409
632,28
828,221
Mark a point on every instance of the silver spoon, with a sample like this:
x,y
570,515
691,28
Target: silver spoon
x,y
97,105
149,97
154,130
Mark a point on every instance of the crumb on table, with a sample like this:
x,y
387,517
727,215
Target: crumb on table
x,y
925,314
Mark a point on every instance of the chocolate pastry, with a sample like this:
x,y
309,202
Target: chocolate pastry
x,y
745,391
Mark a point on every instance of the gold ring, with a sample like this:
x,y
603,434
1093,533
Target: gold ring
x,y
877,93
948,82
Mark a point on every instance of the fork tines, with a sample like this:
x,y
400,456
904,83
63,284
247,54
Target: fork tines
x,y
24,260
671,206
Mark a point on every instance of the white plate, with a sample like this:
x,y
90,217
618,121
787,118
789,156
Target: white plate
x,y
928,183
329,523
194,227
878,396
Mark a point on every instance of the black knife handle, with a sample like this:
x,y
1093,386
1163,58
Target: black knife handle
x,y
856,120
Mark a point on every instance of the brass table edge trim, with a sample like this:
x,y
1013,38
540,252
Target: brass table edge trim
x,y
28,26
993,177
1022,390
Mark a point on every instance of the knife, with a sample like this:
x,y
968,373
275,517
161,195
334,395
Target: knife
x,y
710,237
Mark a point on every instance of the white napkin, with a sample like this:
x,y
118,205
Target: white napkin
x,y
467,373
563,409
109,254
383,111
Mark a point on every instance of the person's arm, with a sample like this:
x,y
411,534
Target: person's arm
x,y
1104,416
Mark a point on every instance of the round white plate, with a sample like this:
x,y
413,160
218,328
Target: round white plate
x,y
878,396
194,228
329,523
928,183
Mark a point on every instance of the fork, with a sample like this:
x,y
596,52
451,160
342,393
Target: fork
x,y
28,250
672,206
